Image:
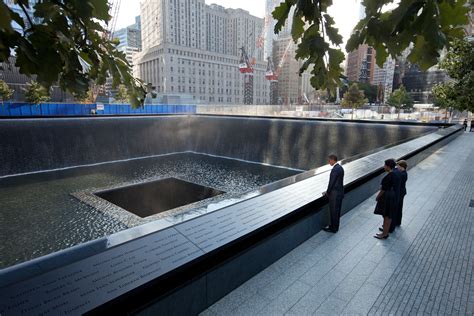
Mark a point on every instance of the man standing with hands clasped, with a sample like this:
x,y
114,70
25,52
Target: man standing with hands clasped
x,y
335,193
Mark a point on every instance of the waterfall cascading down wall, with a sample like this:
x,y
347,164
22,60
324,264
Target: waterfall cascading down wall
x,y
30,145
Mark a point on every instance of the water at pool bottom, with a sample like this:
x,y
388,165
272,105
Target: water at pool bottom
x,y
38,214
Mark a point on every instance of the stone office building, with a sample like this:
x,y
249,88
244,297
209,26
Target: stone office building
x,y
191,51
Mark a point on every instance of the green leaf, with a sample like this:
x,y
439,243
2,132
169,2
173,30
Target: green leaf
x,y
332,32
453,14
380,55
280,13
100,9
422,54
5,18
297,26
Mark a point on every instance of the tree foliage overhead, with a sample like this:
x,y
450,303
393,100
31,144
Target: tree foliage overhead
x,y
427,25
65,42
459,64
5,92
36,93
400,99
311,26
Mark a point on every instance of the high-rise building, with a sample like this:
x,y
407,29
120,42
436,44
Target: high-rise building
x,y
419,83
129,36
293,88
361,64
270,22
383,77
130,39
192,50
269,32
289,80
130,43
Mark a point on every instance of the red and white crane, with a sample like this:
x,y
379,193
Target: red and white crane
x,y
273,74
246,68
244,64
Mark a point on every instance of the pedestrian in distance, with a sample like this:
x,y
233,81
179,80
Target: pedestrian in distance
x,y
465,124
335,194
386,201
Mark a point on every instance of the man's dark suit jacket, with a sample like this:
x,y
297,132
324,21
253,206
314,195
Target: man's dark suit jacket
x,y
403,183
397,181
336,178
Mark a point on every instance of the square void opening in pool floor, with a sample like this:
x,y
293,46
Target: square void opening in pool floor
x,y
146,199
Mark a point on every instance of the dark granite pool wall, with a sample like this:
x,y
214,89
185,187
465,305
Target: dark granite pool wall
x,y
42,144
301,144
29,145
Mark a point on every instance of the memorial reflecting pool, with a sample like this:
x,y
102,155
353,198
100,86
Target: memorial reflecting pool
x,y
40,215
224,160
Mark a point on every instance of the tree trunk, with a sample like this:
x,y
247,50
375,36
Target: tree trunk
x,y
398,118
352,114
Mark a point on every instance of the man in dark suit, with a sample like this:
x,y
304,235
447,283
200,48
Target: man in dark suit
x,y
335,193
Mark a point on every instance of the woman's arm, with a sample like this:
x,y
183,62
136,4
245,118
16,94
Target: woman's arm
x,y
379,195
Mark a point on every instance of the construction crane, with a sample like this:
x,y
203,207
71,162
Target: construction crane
x,y
100,91
272,74
245,67
114,7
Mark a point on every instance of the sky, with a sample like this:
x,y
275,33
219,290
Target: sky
x,y
345,12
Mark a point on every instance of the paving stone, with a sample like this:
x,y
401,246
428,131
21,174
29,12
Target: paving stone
x,y
364,299
313,276
331,306
208,312
432,268
425,267
251,307
308,304
287,299
233,300
349,287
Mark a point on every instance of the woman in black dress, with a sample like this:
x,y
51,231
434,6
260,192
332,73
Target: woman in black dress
x,y
386,200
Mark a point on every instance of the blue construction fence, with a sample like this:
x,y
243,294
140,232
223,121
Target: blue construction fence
x,y
80,109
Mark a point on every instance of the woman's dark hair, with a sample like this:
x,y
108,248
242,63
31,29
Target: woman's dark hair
x,y
390,163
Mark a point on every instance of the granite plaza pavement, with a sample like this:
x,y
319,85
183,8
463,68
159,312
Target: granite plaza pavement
x,y
425,267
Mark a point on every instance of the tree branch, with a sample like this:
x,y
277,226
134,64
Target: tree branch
x,y
22,6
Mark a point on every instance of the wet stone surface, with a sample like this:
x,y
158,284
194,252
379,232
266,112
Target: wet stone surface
x,y
41,213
